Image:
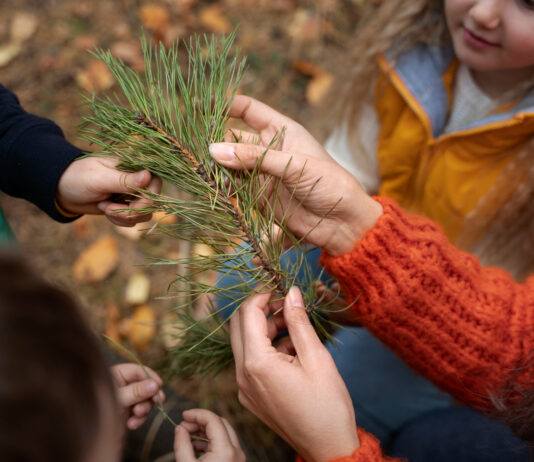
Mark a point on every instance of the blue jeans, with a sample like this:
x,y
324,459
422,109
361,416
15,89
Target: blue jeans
x,y
458,434
386,393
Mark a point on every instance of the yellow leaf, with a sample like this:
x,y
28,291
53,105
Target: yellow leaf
x,y
163,219
98,261
23,26
8,53
318,88
142,327
137,289
212,19
155,18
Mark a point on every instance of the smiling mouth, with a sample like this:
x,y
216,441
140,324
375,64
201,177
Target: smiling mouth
x,y
476,40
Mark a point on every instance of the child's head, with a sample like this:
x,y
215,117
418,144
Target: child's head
x,y
57,401
492,35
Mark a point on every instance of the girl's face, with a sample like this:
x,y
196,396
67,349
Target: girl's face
x,y
492,35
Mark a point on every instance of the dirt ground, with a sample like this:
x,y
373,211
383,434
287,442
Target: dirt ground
x,y
290,44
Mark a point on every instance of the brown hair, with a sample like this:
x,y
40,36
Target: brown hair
x,y
51,371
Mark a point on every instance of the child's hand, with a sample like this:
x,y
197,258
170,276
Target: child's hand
x,y
136,393
223,443
87,185
321,199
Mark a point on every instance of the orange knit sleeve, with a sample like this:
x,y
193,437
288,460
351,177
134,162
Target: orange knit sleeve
x,y
465,327
369,451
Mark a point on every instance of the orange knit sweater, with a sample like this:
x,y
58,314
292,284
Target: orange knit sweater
x,y
466,328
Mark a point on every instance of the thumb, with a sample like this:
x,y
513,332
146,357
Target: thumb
x,y
301,332
114,181
242,156
137,392
183,449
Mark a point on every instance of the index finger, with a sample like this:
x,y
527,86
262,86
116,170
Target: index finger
x,y
256,114
254,328
130,372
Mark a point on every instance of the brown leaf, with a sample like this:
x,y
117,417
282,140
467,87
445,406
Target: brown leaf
x,y
318,87
137,289
129,52
306,67
155,18
23,26
82,227
142,327
98,261
212,19
163,219
96,77
112,325
85,42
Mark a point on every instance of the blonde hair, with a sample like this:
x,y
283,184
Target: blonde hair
x,y
499,228
400,22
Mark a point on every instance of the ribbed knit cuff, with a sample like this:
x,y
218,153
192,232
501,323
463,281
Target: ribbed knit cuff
x,y
369,451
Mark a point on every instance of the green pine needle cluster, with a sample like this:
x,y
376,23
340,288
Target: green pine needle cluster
x,y
170,118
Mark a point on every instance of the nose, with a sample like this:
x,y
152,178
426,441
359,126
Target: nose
x,y
487,13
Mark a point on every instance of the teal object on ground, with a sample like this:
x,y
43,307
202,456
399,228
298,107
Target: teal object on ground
x,y
6,233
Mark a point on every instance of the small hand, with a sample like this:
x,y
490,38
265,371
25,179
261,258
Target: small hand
x,y
223,443
136,392
88,184
299,394
323,201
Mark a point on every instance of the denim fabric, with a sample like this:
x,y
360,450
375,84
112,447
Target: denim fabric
x,y
460,435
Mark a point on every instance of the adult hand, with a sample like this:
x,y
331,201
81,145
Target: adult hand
x,y
312,182
87,186
299,394
223,443
136,392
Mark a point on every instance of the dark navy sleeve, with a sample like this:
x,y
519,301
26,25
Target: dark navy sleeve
x,y
33,155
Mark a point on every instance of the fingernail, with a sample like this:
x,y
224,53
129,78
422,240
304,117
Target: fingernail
x,y
151,387
222,151
295,298
139,178
177,429
102,206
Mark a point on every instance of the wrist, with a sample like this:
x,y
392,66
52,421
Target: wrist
x,y
354,226
342,448
63,208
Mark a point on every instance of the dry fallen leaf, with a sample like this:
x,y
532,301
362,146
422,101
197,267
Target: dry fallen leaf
x,y
9,52
98,261
137,289
112,324
318,87
96,77
319,84
155,18
161,218
129,52
170,329
132,233
212,19
142,327
23,26
82,227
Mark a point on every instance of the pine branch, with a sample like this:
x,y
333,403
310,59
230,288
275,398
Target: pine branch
x,y
164,122
230,201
